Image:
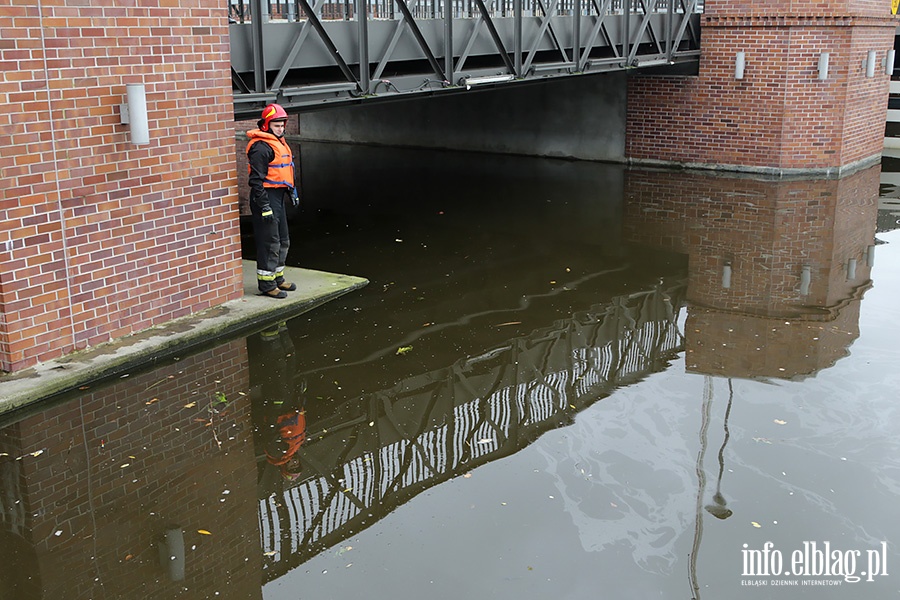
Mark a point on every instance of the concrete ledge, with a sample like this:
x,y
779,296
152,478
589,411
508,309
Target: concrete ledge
x,y
774,172
239,317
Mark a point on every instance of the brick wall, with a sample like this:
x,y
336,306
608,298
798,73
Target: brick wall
x,y
100,237
119,466
767,231
780,116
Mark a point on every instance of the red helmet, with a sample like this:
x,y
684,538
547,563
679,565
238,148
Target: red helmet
x,y
272,112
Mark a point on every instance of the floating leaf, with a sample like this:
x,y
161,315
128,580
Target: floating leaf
x,y
467,475
270,553
485,441
755,524
403,350
762,440
220,398
190,405
203,532
780,422
152,401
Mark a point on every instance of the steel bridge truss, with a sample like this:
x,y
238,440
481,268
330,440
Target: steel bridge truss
x,y
303,53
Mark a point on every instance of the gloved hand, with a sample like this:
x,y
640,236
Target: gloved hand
x,y
295,198
266,213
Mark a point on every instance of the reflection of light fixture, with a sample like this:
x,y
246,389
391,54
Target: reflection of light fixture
x,y
470,81
171,553
726,275
134,113
851,269
718,508
870,64
805,278
870,256
823,66
739,63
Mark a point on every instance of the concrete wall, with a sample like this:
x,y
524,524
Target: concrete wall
x,y
573,117
101,238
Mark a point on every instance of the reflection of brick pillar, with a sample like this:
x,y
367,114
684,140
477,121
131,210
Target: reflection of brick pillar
x,y
780,116
121,465
767,233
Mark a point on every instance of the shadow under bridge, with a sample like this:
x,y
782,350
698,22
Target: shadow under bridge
x,y
435,426
305,54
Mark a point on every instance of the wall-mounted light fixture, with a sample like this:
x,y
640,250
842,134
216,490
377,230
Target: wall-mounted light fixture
x,y
740,62
823,66
851,269
471,81
726,275
889,62
805,279
870,64
134,113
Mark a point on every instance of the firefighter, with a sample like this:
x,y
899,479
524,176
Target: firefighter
x,y
272,183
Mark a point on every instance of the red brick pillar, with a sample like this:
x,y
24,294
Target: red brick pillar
x,y
102,237
780,117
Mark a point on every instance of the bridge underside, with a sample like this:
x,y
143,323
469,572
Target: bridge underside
x,y
314,60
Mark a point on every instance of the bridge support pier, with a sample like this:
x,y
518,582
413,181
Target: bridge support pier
x,y
571,117
761,102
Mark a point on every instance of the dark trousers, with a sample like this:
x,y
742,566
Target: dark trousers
x,y
272,241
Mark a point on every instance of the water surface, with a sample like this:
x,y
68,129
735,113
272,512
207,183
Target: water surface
x,y
564,380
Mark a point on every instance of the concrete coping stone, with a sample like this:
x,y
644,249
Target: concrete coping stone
x,y
239,317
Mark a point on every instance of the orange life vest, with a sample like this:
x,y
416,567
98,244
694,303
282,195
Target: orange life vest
x,y
281,169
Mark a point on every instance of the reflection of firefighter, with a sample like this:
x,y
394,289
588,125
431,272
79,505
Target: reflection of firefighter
x,y
284,421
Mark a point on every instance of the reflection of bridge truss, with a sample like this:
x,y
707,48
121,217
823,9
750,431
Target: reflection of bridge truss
x,y
432,427
303,53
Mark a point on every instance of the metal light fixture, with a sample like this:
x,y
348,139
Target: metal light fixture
x,y
823,66
739,63
805,279
134,113
889,62
472,81
870,64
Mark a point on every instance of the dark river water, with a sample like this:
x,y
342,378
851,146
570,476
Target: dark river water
x,y
564,380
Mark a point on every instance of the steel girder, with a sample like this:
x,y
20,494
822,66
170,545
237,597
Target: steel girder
x,y
308,53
